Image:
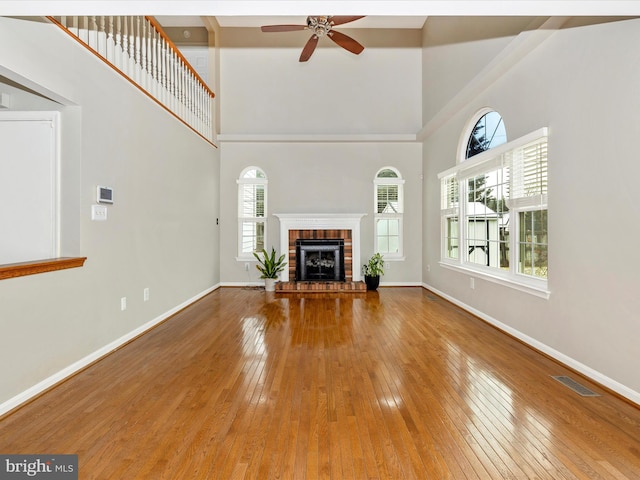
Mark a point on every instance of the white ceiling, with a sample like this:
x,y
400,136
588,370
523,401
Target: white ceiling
x,y
416,22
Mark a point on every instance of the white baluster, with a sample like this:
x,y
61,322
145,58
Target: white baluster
x,y
165,72
179,92
138,52
192,99
125,46
102,37
110,41
118,46
92,32
84,29
132,48
146,53
154,62
74,26
172,79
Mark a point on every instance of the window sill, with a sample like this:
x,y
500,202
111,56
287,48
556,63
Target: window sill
x,y
393,259
13,270
538,291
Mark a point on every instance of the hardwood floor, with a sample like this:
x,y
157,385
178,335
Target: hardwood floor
x,y
388,385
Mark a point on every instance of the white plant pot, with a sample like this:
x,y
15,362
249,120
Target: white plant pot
x,y
270,284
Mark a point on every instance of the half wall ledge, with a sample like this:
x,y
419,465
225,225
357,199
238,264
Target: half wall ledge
x,y
13,270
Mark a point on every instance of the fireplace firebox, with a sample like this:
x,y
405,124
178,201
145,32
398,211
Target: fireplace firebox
x,y
320,259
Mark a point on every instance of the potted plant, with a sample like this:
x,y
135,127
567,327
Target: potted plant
x,y
372,271
269,267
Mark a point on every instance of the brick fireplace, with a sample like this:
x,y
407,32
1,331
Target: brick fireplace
x,y
320,235
321,226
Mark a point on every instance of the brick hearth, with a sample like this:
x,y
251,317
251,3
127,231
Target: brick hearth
x,y
321,287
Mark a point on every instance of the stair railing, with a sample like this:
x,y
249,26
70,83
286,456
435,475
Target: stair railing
x,y
139,49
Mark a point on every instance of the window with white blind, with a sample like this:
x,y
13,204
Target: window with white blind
x,y
252,212
494,214
388,204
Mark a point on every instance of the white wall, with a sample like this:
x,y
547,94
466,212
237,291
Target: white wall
x,y
160,233
582,83
341,106
322,178
266,90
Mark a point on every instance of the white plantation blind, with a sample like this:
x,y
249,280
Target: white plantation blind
x,y
528,174
388,199
252,211
524,161
450,195
252,204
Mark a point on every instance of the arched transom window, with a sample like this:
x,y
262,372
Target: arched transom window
x,y
487,133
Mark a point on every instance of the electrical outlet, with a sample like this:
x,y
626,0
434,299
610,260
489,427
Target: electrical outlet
x,y
145,294
246,267
472,283
428,268
123,303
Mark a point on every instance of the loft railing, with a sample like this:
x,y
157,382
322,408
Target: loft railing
x,y
138,47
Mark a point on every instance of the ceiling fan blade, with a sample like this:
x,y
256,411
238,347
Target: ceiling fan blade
x,y
282,28
341,19
345,42
309,48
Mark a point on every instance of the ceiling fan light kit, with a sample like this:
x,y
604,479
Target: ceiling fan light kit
x,y
321,26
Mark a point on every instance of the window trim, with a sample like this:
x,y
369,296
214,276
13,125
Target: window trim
x,y
241,181
399,181
473,166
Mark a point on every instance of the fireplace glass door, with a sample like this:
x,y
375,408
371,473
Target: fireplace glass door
x,y
320,260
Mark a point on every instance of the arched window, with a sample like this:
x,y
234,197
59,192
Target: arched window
x,y
487,133
252,212
494,205
388,213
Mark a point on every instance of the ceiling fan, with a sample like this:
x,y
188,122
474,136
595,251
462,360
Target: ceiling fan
x,y
321,26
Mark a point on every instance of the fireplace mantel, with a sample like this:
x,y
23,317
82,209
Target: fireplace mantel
x,y
322,221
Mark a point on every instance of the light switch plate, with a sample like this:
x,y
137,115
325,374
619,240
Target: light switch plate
x,y
98,212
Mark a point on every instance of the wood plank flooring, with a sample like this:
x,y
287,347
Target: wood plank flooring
x,y
393,384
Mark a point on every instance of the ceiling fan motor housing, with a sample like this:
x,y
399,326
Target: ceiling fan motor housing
x,y
320,26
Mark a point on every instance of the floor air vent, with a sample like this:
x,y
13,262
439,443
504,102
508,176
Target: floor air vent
x,y
575,386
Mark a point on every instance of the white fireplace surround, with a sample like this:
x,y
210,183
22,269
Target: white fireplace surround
x,y
322,221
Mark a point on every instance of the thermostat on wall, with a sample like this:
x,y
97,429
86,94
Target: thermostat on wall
x,y
105,194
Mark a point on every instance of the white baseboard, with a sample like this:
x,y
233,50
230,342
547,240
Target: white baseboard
x,y
242,284
589,372
92,357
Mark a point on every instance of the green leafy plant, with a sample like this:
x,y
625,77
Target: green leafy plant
x,y
268,265
374,267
